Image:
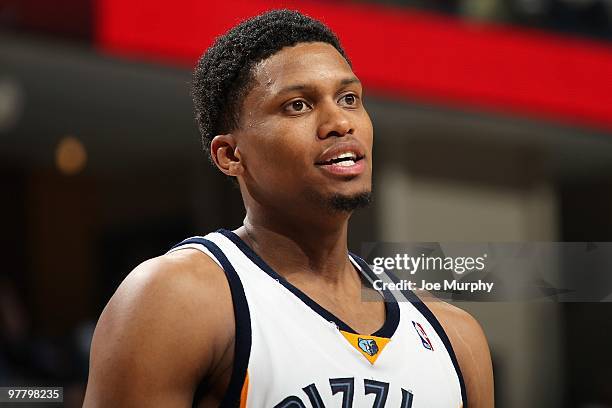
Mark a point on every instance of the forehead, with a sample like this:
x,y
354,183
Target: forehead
x,y
305,63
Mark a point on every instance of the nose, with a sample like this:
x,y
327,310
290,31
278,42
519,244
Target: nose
x,y
335,121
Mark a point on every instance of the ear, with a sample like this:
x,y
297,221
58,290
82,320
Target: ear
x,y
224,152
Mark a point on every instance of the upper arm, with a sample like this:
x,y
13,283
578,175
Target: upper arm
x,y
162,331
472,351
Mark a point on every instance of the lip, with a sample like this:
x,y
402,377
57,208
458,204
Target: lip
x,y
339,148
350,171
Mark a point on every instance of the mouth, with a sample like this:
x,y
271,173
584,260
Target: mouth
x,y
344,159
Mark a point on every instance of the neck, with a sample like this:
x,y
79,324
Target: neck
x,y
296,246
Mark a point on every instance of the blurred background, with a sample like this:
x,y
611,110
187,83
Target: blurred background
x,y
493,122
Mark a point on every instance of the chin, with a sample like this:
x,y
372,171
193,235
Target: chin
x,y
350,202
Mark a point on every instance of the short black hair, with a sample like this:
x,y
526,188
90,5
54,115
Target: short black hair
x,y
223,75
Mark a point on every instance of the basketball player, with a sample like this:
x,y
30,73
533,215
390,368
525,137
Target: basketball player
x,y
271,314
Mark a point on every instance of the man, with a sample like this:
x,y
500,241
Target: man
x,y
271,314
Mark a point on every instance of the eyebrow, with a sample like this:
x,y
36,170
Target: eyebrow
x,y
301,87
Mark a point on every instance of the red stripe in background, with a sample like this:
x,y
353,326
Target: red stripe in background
x,y
415,55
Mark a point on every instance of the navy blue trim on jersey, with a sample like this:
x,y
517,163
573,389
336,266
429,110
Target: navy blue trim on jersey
x,y
431,318
391,307
242,346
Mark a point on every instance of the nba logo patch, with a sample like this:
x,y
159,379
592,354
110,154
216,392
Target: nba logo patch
x,y
424,339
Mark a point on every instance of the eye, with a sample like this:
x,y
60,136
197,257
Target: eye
x,y
349,99
297,106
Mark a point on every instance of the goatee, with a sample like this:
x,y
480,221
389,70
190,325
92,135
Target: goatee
x,y
344,203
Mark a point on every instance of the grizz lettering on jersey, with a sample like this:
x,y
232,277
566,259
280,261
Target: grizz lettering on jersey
x,y
344,389
291,352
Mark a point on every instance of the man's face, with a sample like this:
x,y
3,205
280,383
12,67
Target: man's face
x,y
304,135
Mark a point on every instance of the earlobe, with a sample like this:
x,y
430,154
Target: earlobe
x,y
225,154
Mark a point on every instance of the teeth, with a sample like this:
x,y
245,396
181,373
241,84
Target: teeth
x,y
345,163
344,159
346,155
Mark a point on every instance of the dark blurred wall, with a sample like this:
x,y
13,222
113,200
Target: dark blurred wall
x,y
587,216
70,19
60,223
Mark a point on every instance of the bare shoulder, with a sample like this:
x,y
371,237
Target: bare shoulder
x,y
166,326
452,318
471,348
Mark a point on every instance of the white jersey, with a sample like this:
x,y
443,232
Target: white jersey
x,y
292,353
